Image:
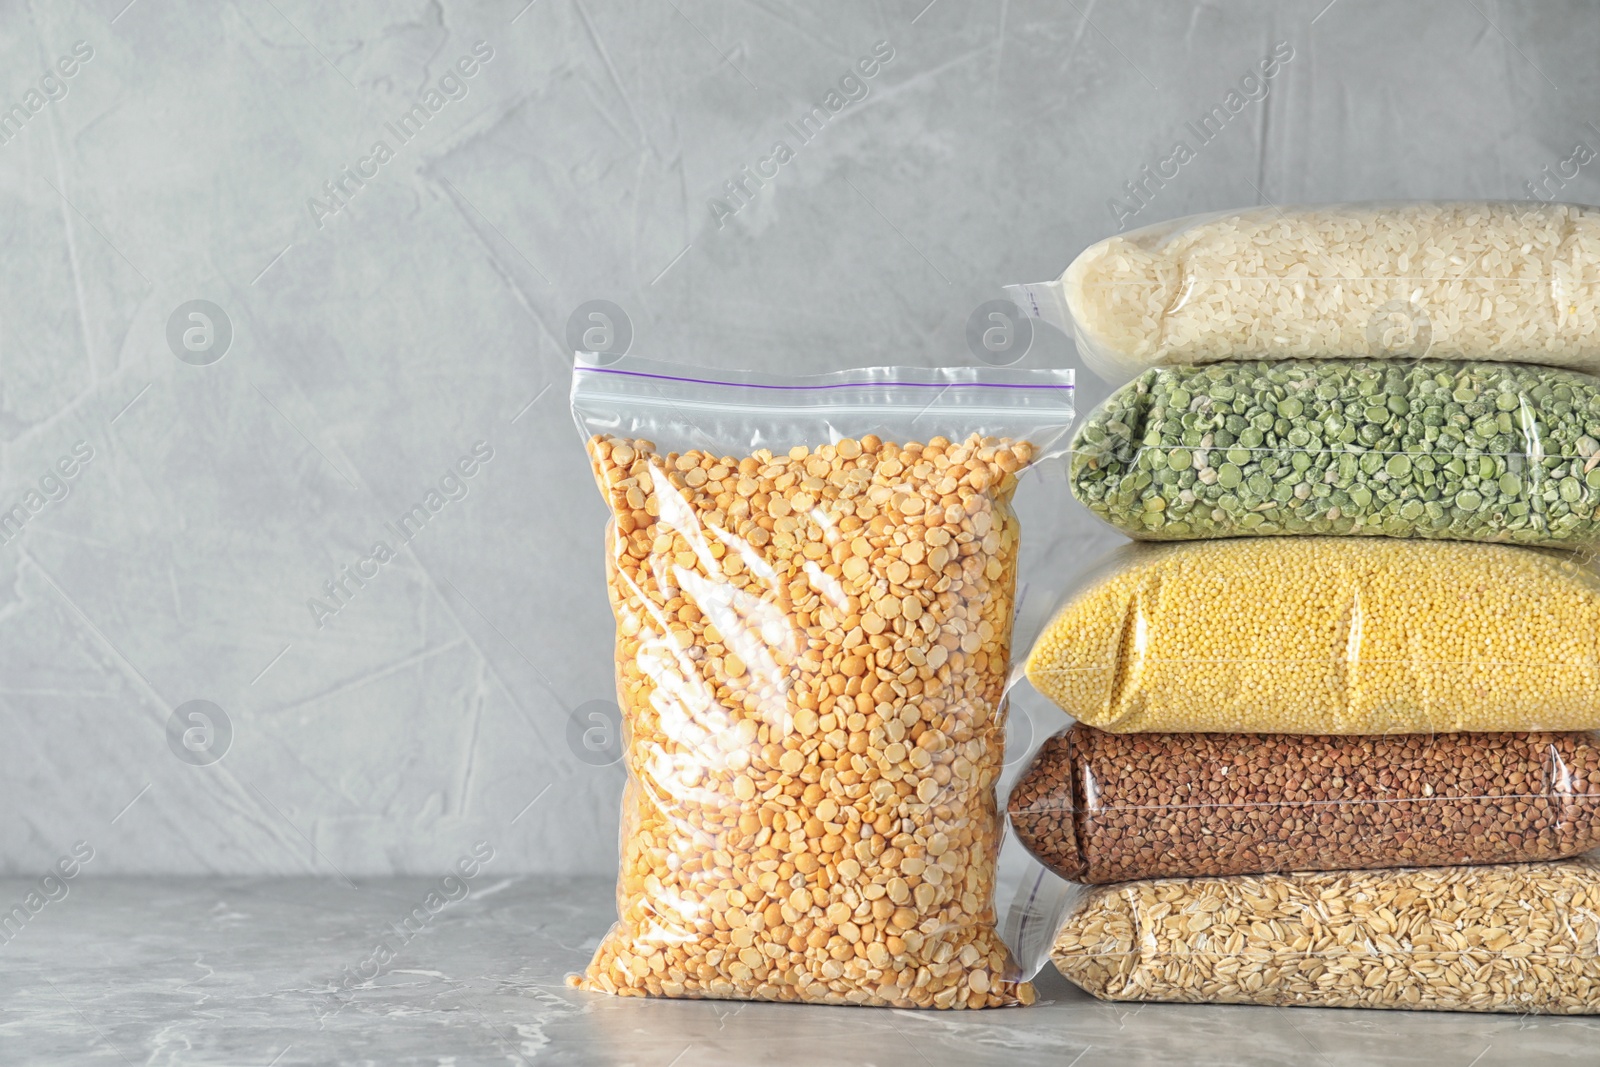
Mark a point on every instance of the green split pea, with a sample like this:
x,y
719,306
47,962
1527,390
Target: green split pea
x,y
1440,449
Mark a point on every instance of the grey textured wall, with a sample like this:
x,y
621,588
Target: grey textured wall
x,y
377,337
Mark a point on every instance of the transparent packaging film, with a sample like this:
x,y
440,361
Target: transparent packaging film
x,y
1515,937
1098,807
813,580
1480,280
1327,635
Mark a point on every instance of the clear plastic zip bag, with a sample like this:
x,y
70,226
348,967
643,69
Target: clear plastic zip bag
x,y
1098,807
1327,635
1437,449
813,580
1482,280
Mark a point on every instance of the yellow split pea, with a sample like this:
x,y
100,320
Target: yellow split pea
x,y
1328,635
812,652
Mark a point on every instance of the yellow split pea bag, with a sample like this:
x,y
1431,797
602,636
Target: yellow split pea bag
x,y
813,580
1328,635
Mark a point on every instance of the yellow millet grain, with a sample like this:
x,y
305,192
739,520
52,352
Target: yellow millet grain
x,y
1516,937
812,651
1328,635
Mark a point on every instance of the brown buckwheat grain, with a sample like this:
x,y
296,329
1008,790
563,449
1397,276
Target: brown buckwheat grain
x,y
1514,937
811,658
1099,807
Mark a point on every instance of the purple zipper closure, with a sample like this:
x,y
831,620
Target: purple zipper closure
x,y
837,385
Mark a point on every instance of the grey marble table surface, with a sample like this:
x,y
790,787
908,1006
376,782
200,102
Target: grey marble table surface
x,y
305,971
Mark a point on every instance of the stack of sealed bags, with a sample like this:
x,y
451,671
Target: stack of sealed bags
x,y
1331,707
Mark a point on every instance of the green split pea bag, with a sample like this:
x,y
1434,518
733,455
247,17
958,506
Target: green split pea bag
x,y
1467,451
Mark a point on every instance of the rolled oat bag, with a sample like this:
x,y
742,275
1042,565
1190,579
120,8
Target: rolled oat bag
x,y
1098,807
1518,937
1492,280
1327,635
813,581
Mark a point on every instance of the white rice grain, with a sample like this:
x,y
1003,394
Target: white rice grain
x,y
1514,281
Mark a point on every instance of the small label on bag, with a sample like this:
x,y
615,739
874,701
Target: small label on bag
x,y
1042,301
